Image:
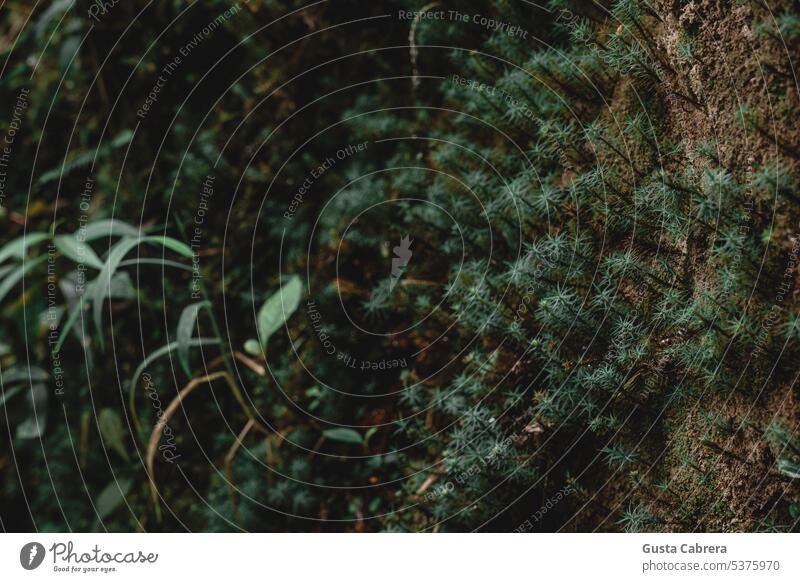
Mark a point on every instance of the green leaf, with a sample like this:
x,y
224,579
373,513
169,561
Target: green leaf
x,y
186,326
111,497
24,375
278,309
344,435
160,262
33,426
101,289
57,8
369,434
16,276
789,467
252,347
121,288
115,256
113,432
160,352
68,325
794,510
107,228
123,138
163,351
79,252
9,393
172,244
17,248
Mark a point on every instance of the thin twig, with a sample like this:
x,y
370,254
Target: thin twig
x,y
230,456
162,422
250,363
412,45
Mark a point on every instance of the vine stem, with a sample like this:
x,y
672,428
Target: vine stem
x,y
413,51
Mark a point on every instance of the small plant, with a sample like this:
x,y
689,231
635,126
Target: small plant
x,y
786,447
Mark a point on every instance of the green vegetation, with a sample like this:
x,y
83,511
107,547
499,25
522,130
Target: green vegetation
x,y
270,268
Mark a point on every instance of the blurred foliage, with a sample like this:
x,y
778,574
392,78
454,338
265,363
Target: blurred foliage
x,y
587,278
